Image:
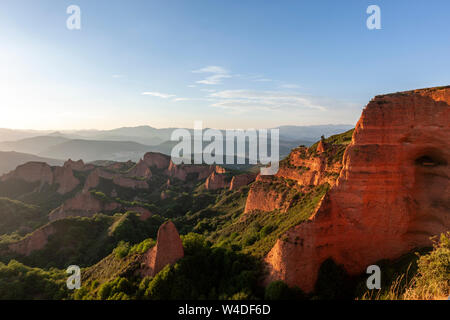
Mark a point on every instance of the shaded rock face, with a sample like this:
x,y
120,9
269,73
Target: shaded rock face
x,y
157,160
82,205
216,181
78,165
182,171
140,170
391,195
63,176
242,180
44,174
124,180
35,241
130,183
168,250
31,172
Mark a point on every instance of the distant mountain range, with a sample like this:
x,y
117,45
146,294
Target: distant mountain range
x,y
129,143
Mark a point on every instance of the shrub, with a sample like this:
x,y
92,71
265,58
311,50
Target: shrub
x,y
122,249
433,277
277,290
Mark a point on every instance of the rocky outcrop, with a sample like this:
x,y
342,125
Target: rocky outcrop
x,y
265,195
303,169
130,183
216,181
158,160
219,180
33,172
140,170
144,214
78,165
82,205
182,171
92,181
168,250
242,180
391,195
63,176
33,242
123,180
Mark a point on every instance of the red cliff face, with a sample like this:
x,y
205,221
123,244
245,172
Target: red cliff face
x,y
63,176
44,174
264,196
31,172
216,181
391,195
182,171
158,160
242,180
35,241
140,170
82,205
78,165
168,250
303,169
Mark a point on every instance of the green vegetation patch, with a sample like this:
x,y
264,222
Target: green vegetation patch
x,y
257,232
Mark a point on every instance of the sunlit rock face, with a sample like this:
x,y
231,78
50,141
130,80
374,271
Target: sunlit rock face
x,y
392,194
168,250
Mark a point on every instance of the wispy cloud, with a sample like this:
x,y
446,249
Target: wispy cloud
x,y
158,94
216,77
211,69
244,100
290,86
181,99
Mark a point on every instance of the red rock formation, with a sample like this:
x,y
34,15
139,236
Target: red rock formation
x,y
158,160
119,179
130,183
140,170
308,168
92,181
181,171
144,213
44,174
168,250
33,242
31,172
263,197
163,195
63,176
78,165
216,181
242,180
391,196
82,205
320,147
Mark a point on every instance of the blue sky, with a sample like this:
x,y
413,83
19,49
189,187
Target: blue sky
x,y
231,64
